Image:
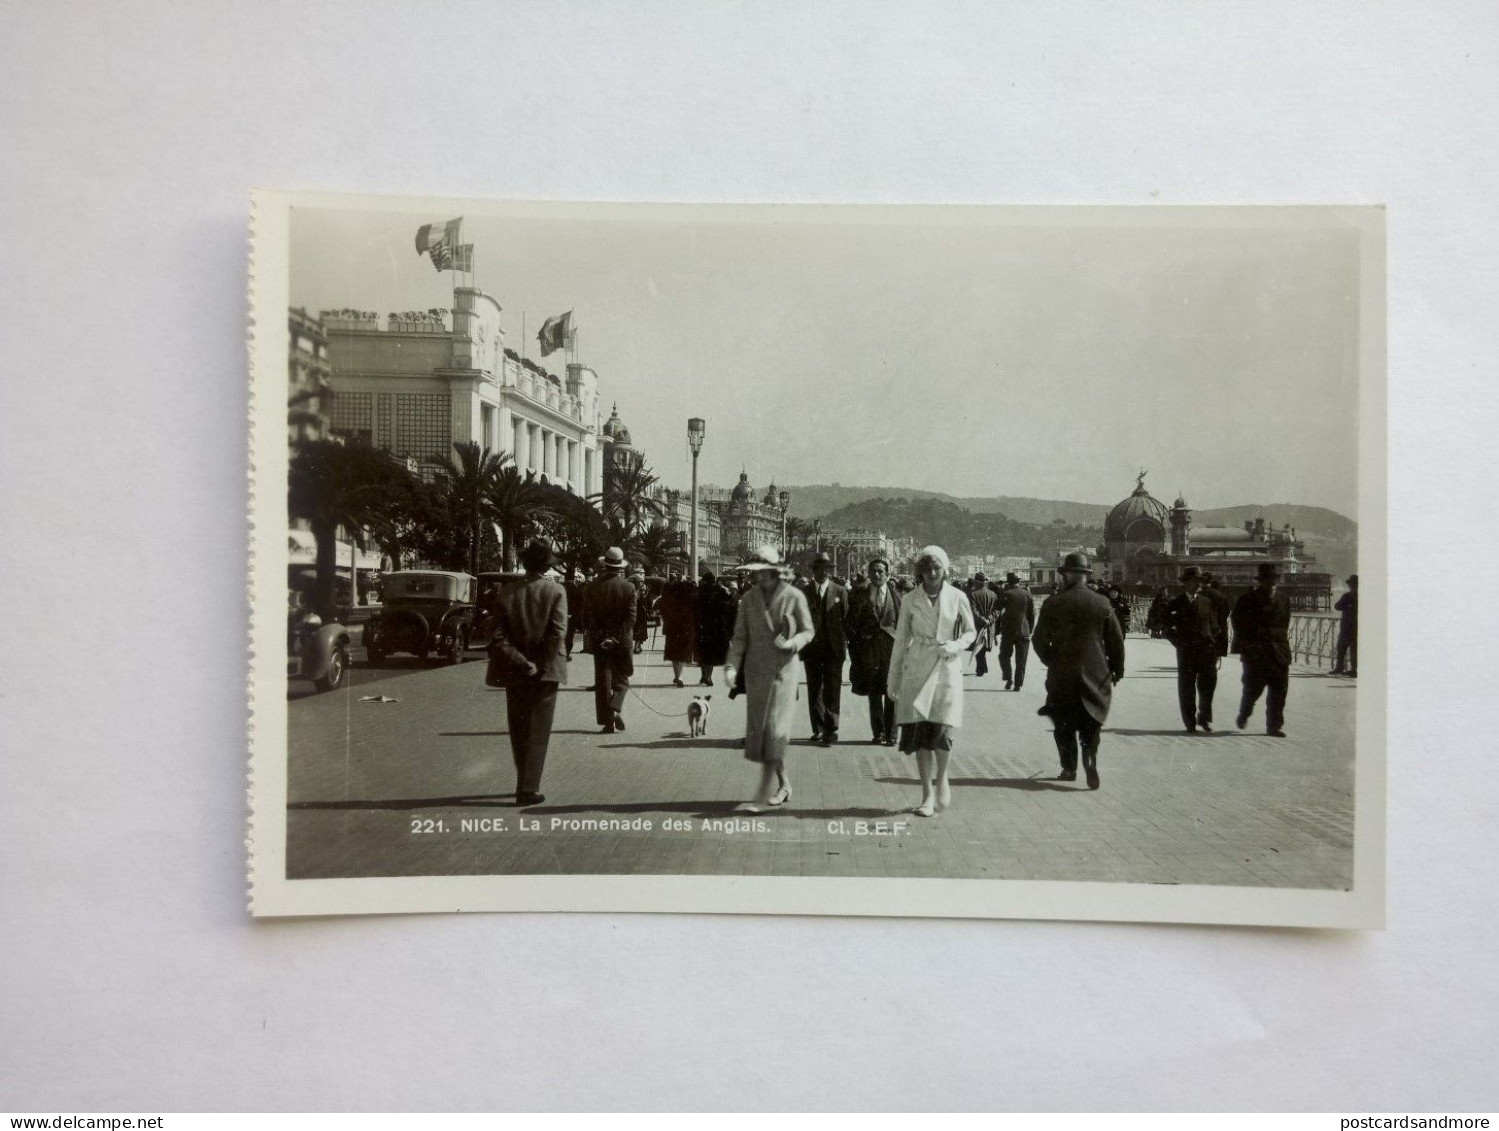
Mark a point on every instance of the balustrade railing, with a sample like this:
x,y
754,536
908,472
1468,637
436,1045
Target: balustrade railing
x,y
1314,637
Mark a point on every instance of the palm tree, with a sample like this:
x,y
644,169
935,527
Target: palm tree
x,y
797,532
626,501
516,501
332,484
466,477
578,530
658,548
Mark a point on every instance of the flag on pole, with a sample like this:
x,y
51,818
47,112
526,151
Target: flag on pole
x,y
555,332
463,258
439,241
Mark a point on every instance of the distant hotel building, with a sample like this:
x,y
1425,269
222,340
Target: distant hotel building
x,y
747,523
415,387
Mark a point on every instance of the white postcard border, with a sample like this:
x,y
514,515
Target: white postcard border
x,y
271,894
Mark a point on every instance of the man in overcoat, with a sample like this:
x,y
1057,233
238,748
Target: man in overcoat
x,y
984,602
528,656
1192,627
609,613
823,658
1015,616
1262,637
1346,662
1079,640
873,613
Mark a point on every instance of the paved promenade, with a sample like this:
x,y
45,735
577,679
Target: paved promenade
x,y
424,786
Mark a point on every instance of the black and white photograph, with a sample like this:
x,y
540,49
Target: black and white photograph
x,y
806,558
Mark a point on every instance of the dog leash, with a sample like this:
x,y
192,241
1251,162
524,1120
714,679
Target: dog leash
x,y
653,710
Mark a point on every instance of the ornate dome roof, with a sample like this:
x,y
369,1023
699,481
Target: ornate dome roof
x,y
741,491
772,496
614,428
1140,504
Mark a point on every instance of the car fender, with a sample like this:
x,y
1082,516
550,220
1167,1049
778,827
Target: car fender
x,y
318,649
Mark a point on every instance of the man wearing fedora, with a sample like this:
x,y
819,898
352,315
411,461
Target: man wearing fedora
x,y
609,612
983,601
528,657
1347,607
1193,628
1015,612
823,658
1079,640
1262,637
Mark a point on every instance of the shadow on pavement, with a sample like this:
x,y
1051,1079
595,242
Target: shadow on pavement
x,y
1174,732
670,743
476,799
361,673
1035,785
497,733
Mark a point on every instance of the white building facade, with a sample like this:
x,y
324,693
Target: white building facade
x,y
416,385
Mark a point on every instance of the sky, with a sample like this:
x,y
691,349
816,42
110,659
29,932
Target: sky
x,y
1051,353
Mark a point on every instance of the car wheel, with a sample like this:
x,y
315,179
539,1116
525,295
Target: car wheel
x,y
375,654
338,666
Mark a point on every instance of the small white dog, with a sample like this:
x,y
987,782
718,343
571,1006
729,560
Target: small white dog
x,y
697,715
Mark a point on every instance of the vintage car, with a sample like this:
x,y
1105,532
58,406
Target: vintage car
x,y
428,613
314,650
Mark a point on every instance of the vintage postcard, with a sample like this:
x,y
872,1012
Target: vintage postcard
x,y
818,559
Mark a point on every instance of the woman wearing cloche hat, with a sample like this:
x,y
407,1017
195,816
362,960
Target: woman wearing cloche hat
x,y
773,623
933,632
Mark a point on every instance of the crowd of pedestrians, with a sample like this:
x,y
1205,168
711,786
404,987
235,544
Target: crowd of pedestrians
x,y
906,643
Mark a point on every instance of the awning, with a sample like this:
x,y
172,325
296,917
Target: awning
x,y
301,549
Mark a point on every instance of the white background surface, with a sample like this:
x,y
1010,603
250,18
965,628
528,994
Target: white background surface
x,y
132,978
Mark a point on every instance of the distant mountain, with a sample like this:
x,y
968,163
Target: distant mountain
x,y
1017,525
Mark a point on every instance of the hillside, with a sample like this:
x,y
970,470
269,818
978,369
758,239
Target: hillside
x,y
958,529
818,500
1012,525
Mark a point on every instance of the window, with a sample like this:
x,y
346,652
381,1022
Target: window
x,y
352,415
423,424
486,416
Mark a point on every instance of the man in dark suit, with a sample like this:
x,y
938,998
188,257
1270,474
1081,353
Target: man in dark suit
x,y
1192,627
873,613
609,612
1079,640
1346,661
528,658
983,601
823,658
1262,637
1015,616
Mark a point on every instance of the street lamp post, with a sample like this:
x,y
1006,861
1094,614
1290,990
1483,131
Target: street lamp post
x,y
785,501
697,428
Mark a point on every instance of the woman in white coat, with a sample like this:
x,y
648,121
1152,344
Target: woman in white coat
x,y
932,636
